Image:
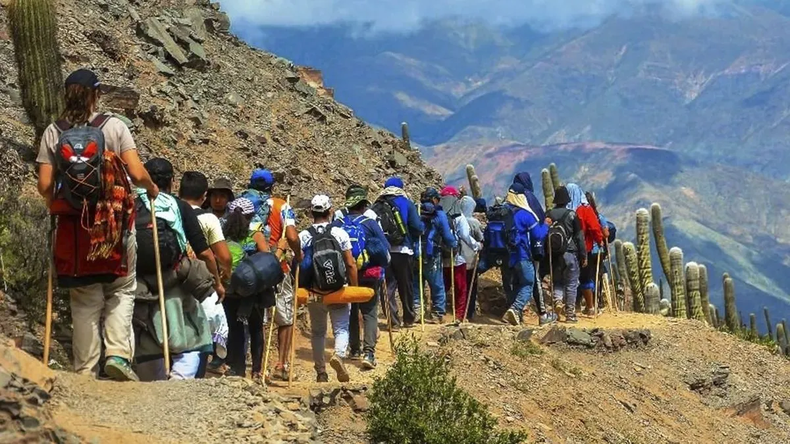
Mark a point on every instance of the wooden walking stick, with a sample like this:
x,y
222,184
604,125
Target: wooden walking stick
x,y
160,287
50,289
389,315
595,289
293,329
422,284
269,341
471,285
611,274
452,280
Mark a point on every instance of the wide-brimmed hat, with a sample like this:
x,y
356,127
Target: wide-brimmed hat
x,y
355,195
223,184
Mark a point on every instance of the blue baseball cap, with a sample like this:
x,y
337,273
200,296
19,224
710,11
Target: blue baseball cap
x,y
262,178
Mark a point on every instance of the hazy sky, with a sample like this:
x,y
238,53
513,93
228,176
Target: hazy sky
x,y
406,15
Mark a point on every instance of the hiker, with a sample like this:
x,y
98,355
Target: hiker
x,y
220,193
469,254
525,231
592,235
599,249
495,245
453,257
437,234
525,179
101,288
370,248
244,242
193,189
183,251
402,226
566,246
328,265
277,220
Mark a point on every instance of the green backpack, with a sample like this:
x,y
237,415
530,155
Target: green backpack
x,y
237,254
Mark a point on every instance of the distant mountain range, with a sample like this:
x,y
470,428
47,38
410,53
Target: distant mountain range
x,y
694,114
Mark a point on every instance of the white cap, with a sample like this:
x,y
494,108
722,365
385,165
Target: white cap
x,y
321,203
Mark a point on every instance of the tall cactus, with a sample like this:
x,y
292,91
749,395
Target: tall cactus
x,y
787,332
643,247
753,324
714,315
652,299
768,322
703,292
548,188
780,339
677,283
555,175
693,293
34,29
632,266
660,240
474,182
619,257
404,131
730,309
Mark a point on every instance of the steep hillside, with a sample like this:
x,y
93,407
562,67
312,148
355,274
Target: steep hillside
x,y
199,96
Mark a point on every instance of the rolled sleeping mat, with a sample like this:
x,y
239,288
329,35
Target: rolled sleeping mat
x,y
346,295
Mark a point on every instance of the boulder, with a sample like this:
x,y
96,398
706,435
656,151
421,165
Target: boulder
x,y
155,31
575,336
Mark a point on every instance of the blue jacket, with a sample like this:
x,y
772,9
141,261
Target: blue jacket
x,y
408,213
534,203
527,230
442,225
376,243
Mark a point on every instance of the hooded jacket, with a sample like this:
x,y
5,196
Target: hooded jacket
x,y
534,203
468,205
408,213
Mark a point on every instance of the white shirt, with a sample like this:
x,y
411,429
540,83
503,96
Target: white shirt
x,y
338,233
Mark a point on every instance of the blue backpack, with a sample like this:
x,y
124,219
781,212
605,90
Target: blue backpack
x,y
499,236
353,226
260,201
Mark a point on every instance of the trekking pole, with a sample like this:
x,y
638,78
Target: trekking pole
x,y
452,280
471,285
389,315
611,274
50,289
419,276
160,286
293,329
269,341
551,270
595,289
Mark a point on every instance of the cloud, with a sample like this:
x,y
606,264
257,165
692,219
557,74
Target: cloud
x,y
408,15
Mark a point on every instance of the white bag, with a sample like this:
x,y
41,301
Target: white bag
x,y
218,324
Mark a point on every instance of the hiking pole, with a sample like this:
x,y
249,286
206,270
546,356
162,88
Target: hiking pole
x,y
389,315
595,289
269,342
551,273
50,285
419,276
293,329
471,285
452,280
160,286
611,274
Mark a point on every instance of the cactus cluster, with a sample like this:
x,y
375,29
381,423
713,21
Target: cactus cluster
x,y
555,175
753,324
474,182
695,310
665,307
632,266
660,240
713,313
677,283
548,188
33,29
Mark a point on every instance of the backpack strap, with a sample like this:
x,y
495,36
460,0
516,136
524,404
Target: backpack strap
x,y
62,125
100,120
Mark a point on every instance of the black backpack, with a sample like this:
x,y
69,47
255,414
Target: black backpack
x,y
447,252
79,154
612,232
558,237
329,268
169,248
390,220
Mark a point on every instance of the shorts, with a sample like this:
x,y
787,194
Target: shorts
x,y
284,306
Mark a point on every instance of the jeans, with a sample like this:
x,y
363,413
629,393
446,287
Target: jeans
x,y
399,275
339,314
457,274
566,284
369,312
432,273
488,262
523,280
237,338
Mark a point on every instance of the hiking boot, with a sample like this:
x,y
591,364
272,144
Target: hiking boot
x,y
588,312
408,325
511,317
337,365
322,377
215,366
548,318
369,361
571,319
120,370
356,355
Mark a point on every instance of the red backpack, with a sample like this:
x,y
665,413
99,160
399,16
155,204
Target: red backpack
x,y
94,206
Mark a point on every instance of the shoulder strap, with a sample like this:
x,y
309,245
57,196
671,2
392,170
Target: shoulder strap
x,y
359,219
100,120
62,125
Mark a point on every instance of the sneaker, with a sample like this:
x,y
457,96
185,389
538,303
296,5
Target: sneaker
x,y
548,318
511,317
571,319
356,355
120,370
369,362
337,364
322,377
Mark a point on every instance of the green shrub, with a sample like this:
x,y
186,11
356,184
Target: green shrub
x,y
525,349
417,401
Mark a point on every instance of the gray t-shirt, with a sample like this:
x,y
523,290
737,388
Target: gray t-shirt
x,y
117,138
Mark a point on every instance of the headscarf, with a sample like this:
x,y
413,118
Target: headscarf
x,y
525,179
517,198
577,196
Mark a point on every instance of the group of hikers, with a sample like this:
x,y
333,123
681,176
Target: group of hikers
x,y
204,269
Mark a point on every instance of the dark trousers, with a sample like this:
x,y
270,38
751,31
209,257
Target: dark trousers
x,y
537,291
369,312
399,274
237,344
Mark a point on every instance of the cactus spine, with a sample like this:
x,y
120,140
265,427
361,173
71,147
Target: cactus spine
x,y
548,188
660,240
703,292
693,292
753,324
632,265
677,283
643,247
652,299
730,309
555,175
33,27
780,339
474,182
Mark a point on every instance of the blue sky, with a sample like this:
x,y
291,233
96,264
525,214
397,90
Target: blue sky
x,y
408,15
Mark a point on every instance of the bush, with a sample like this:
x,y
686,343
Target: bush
x,y
418,402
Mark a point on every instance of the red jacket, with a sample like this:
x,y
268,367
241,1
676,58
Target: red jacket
x,y
590,226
